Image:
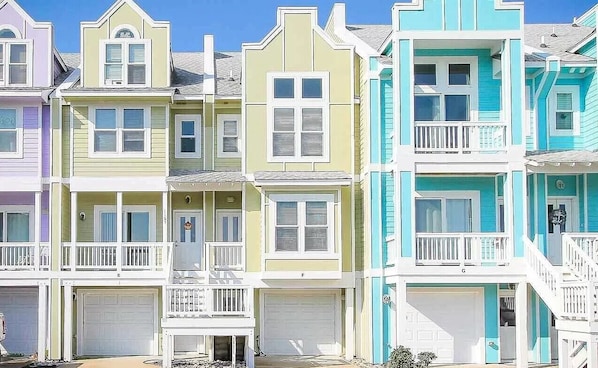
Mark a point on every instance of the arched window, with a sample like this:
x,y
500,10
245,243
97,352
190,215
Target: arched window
x,y
124,33
7,33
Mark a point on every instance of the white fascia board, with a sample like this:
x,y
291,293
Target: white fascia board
x,y
21,184
119,184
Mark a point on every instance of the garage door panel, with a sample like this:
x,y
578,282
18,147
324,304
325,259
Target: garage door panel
x,y
20,307
450,324
118,323
301,324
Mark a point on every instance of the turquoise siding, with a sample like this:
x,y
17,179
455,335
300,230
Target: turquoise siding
x,y
589,49
572,141
589,116
387,313
376,218
388,192
542,208
468,15
451,15
374,122
545,323
592,202
518,210
491,320
428,19
590,21
488,87
405,90
582,203
531,205
407,238
570,186
529,140
387,120
484,185
542,109
516,91
491,19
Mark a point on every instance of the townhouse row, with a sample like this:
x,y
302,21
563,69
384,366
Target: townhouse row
x,y
337,190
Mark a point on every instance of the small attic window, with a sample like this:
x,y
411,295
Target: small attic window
x,y
125,33
7,33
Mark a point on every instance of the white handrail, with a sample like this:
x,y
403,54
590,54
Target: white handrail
x,y
588,242
577,260
460,137
543,276
580,300
462,248
225,256
28,256
192,301
105,256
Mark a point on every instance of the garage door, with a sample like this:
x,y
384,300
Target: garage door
x,y
300,324
19,307
118,323
448,322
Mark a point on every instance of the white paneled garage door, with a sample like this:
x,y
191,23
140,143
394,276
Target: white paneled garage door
x,y
19,307
448,322
117,322
301,324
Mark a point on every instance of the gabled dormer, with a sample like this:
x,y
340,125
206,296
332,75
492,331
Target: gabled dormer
x,y
20,65
125,48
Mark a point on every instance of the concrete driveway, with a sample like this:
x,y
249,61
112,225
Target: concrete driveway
x,y
117,362
300,362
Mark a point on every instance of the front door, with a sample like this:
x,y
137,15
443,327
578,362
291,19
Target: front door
x,y
188,241
560,220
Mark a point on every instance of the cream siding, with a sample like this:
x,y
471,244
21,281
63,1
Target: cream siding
x,y
185,163
66,141
226,163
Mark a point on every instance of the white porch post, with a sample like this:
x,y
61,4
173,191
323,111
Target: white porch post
x,y
42,321
521,325
250,350
68,322
74,217
563,351
349,323
210,347
233,356
164,246
38,229
592,352
401,304
119,231
166,351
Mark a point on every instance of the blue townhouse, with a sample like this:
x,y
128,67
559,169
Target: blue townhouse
x,y
478,182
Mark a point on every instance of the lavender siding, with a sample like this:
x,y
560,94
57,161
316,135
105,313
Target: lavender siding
x,y
29,164
28,199
41,40
46,141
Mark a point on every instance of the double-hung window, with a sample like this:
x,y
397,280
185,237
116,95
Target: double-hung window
x,y
11,133
15,224
125,59
301,224
565,111
445,89
188,136
448,213
229,135
298,117
119,131
15,58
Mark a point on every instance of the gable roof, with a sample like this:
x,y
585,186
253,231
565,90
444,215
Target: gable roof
x,y
187,76
375,35
117,4
567,38
227,62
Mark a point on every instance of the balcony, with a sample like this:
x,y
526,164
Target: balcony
x,y
225,256
461,249
197,301
440,137
116,256
24,256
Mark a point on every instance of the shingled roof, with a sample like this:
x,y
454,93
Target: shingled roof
x,y
567,37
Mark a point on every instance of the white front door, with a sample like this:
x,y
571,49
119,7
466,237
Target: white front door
x,y
553,238
188,241
228,226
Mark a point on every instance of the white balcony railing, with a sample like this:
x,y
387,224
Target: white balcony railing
x,y
24,256
115,256
588,242
223,256
462,248
460,137
193,301
580,300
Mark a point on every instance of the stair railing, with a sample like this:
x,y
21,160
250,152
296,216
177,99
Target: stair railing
x,y
577,260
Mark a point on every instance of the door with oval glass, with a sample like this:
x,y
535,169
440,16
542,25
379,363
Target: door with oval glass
x,y
188,252
561,219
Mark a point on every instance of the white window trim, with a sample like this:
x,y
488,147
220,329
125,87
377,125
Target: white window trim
x,y
119,132
125,61
221,214
28,209
529,112
178,135
297,103
442,87
301,253
125,26
6,42
220,122
97,224
20,133
456,194
574,91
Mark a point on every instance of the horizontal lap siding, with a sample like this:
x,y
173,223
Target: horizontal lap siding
x,y
225,163
121,166
66,141
28,165
592,199
46,140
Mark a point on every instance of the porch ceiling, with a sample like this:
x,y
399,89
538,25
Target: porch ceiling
x,y
579,158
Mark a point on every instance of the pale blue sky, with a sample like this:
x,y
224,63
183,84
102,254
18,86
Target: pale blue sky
x,y
233,22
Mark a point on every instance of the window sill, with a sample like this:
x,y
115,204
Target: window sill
x,y
228,155
299,160
299,256
124,85
120,155
186,156
12,155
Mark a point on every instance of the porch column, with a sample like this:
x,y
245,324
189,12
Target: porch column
x,y
233,356
67,354
521,325
563,351
119,231
349,323
74,218
164,217
42,321
210,347
401,316
592,352
166,351
38,229
250,350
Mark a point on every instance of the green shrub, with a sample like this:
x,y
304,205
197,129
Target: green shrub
x,y
402,357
